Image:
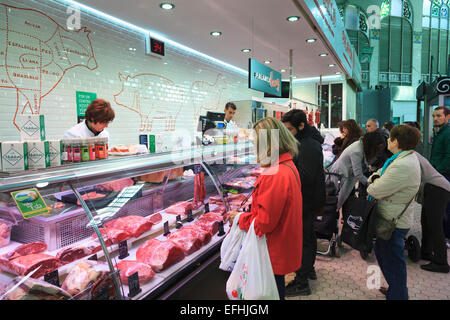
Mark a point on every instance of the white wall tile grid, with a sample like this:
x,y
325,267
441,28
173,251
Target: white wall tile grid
x,y
43,64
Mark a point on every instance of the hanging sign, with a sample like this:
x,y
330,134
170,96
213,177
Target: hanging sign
x,y
263,78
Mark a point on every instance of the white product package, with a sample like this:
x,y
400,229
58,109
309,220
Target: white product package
x,y
32,127
252,277
14,156
38,154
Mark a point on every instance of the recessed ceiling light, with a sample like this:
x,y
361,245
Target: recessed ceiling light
x,y
331,65
246,50
294,77
293,18
338,72
215,33
166,6
323,54
283,70
310,40
267,61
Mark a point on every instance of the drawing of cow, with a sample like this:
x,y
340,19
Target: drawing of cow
x,y
152,97
35,54
207,96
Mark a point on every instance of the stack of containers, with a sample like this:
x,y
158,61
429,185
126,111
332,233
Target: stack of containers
x,y
83,150
32,151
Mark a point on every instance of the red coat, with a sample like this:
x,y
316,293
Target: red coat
x,y
277,207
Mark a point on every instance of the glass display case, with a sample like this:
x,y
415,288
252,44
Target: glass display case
x,y
122,228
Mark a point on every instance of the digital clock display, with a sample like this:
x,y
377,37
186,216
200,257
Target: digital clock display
x,y
157,46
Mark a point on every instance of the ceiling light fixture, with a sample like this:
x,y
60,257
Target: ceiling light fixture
x,y
310,40
323,54
283,70
293,18
166,6
215,33
246,50
331,65
338,72
267,62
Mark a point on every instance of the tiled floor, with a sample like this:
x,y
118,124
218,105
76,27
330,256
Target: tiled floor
x,y
347,277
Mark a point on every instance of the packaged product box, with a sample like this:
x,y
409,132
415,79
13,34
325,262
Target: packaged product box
x,y
158,143
38,154
56,150
32,127
14,155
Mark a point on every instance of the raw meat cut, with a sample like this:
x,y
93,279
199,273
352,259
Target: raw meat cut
x,y
69,255
198,232
5,233
256,172
134,225
179,208
209,222
155,218
23,265
159,254
199,187
128,267
186,240
26,249
116,185
34,289
83,274
91,196
114,235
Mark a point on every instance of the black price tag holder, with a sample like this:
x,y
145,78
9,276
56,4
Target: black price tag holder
x,y
133,284
123,249
93,258
52,278
197,168
189,216
206,207
166,229
179,223
221,229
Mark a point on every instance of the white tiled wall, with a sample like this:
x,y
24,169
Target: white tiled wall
x,y
43,64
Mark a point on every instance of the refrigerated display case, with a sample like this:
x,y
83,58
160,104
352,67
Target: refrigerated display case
x,y
106,210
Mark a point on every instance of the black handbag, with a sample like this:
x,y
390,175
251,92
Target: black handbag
x,y
358,230
384,228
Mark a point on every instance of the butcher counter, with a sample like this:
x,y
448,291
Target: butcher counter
x,y
101,216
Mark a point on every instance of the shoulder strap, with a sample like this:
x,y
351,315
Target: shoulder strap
x,y
405,208
292,171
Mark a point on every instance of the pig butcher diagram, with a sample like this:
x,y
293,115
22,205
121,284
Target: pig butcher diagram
x,y
152,97
207,96
36,53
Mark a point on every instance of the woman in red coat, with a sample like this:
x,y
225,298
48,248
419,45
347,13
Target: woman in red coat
x,y
277,200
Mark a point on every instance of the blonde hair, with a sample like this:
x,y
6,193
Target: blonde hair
x,y
286,142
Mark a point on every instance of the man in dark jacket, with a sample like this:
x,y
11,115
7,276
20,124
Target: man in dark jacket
x,y
440,152
309,163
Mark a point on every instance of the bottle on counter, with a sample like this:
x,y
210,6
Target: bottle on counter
x,y
76,150
100,148
91,143
84,145
67,151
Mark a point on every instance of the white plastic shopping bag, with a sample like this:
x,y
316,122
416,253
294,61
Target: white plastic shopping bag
x,y
252,277
231,246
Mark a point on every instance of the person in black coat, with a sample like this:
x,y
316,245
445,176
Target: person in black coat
x,y
309,163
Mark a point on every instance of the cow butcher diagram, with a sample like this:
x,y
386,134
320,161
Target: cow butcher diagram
x,y
207,96
152,97
35,54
